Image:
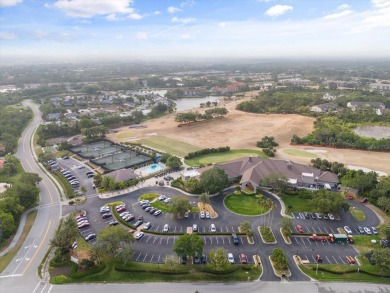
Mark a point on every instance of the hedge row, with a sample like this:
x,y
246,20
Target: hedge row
x,y
350,270
233,269
122,268
74,274
207,151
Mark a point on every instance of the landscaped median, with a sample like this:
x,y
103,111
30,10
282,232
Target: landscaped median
x,y
267,235
114,271
279,263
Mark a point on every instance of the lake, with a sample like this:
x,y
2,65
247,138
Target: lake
x,y
376,132
191,103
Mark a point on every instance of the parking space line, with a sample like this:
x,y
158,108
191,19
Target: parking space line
x,y
175,229
232,229
154,239
158,259
326,230
319,229
242,242
308,230
174,239
317,243
303,242
138,256
227,229
145,257
328,259
157,228
223,240
161,240
314,230
314,259
217,239
331,230
229,240
151,260
296,240
148,239
211,240
341,259
334,259
167,240
306,257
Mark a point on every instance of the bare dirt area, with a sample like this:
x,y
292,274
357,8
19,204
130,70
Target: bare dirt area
x,y
239,130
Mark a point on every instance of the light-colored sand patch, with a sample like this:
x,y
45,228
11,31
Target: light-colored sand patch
x,y
151,134
366,170
316,151
4,186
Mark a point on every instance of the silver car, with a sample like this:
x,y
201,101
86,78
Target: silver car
x,y
348,230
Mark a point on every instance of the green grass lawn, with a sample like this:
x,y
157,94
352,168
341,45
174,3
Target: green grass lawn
x,y
124,135
357,214
6,259
299,153
169,145
244,204
223,157
148,196
296,204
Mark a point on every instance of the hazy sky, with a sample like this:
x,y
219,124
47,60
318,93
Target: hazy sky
x,y
164,29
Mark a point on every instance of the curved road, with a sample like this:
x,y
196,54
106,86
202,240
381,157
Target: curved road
x,y
21,274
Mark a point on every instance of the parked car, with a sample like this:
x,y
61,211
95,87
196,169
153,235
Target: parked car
x,y
236,241
121,209
207,215
138,223
152,210
129,218
367,230
325,216
183,259
65,157
363,200
299,229
361,230
145,206
144,201
196,258
157,213
147,226
161,197
243,258
90,237
213,228
123,205
306,215
331,217
139,235
348,230
167,200
319,216
313,216
124,214
374,231
106,216
194,228
203,258
186,214
231,258
113,223
148,209
83,225
202,215
104,209
166,228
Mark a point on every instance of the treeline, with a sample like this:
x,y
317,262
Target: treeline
x,y
369,185
12,122
207,151
331,131
194,117
11,98
56,130
20,196
291,100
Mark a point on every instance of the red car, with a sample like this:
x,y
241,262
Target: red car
x,y
243,259
299,228
120,209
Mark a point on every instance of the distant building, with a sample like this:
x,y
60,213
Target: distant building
x,y
356,105
296,82
380,86
341,83
53,116
328,97
382,111
323,108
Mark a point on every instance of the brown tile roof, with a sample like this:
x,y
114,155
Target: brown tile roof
x,y
122,175
255,168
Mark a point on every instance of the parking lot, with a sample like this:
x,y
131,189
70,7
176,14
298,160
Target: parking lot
x,y
331,253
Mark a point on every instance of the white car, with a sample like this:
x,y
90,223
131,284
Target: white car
x,y
139,235
202,215
367,230
231,258
331,217
144,201
348,230
213,228
167,200
207,215
166,228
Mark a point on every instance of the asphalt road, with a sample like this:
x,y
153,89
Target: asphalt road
x,y
21,273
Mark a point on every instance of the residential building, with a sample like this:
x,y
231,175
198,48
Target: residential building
x,y
252,170
380,86
375,105
329,97
323,108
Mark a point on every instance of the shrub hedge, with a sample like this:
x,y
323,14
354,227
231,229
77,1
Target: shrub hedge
x,y
207,151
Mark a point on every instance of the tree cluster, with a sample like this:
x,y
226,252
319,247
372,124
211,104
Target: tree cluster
x,y
207,151
279,259
325,165
188,245
209,114
213,180
12,122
